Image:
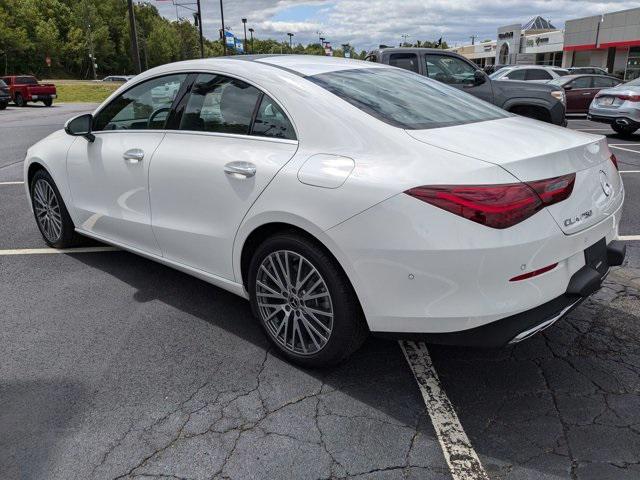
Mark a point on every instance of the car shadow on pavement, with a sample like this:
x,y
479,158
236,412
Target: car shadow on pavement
x,y
367,411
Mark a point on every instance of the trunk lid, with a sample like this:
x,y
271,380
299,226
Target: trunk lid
x,y
532,150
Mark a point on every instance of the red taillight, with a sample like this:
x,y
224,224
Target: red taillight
x,y
629,98
535,273
496,206
614,160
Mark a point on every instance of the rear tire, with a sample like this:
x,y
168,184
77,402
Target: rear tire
x,y
3,105
625,131
51,214
48,102
304,301
19,101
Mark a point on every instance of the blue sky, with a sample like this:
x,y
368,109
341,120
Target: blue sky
x,y
367,23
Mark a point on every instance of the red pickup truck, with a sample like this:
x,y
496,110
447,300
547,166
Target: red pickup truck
x,y
25,88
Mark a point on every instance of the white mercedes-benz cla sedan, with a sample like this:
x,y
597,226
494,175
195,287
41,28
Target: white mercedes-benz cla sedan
x,y
339,197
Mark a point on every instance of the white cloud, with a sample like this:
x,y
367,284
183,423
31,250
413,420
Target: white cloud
x,y
367,23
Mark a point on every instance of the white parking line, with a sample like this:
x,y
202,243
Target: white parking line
x,y
625,149
462,459
629,238
11,183
629,171
44,251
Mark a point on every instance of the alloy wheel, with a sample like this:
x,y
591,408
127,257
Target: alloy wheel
x,y
294,302
47,209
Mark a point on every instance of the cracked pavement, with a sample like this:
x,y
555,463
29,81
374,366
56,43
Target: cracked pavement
x,y
117,367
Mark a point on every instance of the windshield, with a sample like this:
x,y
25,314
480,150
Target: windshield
x,y
405,99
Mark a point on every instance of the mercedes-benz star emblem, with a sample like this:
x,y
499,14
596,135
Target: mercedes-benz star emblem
x,y
604,183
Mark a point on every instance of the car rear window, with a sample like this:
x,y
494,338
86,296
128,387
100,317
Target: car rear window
x,y
405,99
26,81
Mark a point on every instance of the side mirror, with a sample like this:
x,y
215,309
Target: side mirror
x,y
80,126
567,87
479,77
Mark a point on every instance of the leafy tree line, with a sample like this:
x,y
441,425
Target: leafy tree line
x,y
67,31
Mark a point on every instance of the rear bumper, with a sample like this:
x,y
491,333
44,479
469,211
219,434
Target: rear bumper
x,y
619,118
515,328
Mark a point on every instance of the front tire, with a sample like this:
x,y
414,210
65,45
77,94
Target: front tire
x,y
304,301
52,217
625,131
3,105
19,101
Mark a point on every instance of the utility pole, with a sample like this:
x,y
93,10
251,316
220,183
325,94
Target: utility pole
x,y
473,39
290,36
200,26
251,30
224,34
135,53
244,25
404,39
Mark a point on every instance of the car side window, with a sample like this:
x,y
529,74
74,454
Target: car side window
x,y
451,70
271,121
538,74
602,82
581,82
220,104
408,61
143,107
517,74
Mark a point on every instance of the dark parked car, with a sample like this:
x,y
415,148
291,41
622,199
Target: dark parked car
x,y
581,89
5,96
536,100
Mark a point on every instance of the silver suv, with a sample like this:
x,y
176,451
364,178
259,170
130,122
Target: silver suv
x,y
619,107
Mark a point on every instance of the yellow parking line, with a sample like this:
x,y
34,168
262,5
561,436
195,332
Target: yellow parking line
x,y
43,251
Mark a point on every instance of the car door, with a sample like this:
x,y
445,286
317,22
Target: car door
x,y
108,177
580,95
458,73
232,140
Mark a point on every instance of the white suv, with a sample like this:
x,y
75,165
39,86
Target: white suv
x,y
530,73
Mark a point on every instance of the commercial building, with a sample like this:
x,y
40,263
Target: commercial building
x,y
610,41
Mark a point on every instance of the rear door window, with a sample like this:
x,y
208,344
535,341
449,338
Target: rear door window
x,y
603,82
517,74
408,61
220,104
581,82
537,74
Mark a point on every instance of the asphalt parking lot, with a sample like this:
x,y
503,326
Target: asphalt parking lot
x,y
116,367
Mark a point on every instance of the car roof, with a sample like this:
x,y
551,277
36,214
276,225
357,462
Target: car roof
x,y
543,67
301,65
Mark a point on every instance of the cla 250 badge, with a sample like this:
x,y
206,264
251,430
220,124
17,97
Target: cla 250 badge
x,y
583,216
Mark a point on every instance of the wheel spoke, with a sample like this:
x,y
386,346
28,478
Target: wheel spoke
x,y
298,327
